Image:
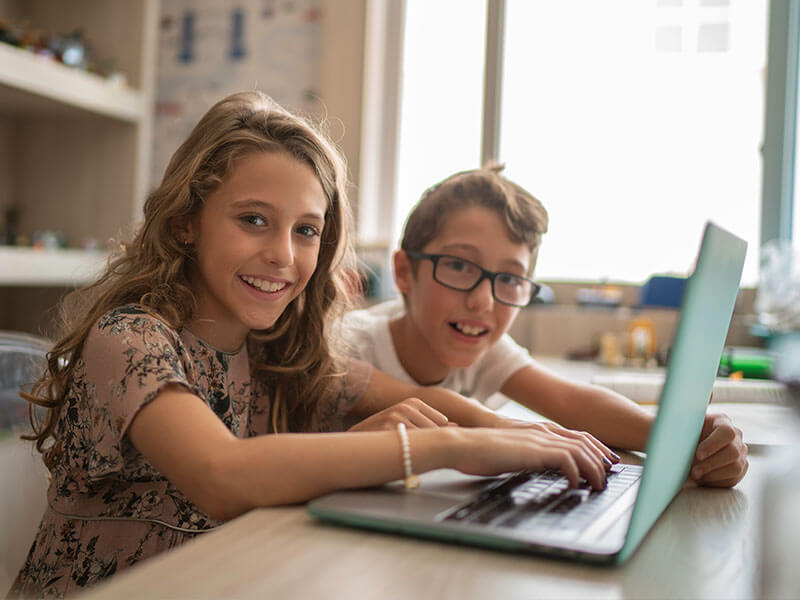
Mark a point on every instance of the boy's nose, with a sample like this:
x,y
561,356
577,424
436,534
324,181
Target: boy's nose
x,y
481,298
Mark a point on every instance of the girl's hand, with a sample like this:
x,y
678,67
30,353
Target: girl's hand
x,y
601,450
494,451
721,456
411,411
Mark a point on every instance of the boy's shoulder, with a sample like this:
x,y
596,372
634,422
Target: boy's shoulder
x,y
376,313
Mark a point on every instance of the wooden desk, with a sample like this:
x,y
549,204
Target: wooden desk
x,y
705,545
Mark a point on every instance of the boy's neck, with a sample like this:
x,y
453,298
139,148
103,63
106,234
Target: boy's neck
x,y
414,355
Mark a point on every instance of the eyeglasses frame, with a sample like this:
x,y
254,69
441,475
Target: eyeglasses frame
x,y
485,274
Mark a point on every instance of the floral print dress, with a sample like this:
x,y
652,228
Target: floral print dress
x,y
108,507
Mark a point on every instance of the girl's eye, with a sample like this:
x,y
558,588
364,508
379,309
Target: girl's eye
x,y
308,231
255,220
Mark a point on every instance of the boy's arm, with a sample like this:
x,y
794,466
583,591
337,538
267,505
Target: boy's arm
x,y
721,455
384,392
610,417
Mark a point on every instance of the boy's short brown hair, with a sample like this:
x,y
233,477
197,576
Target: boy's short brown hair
x,y
523,215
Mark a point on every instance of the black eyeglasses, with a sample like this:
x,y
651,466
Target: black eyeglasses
x,y
464,275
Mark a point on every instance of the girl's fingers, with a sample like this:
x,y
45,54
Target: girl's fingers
x,y
600,449
585,457
566,463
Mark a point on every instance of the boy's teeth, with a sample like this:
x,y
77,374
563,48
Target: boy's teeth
x,y
469,329
265,286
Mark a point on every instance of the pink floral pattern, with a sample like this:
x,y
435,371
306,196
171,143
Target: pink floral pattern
x,y
127,359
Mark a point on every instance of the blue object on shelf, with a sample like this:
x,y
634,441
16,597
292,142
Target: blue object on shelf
x,y
662,291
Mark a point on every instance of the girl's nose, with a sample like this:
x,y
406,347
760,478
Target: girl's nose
x,y
279,250
481,299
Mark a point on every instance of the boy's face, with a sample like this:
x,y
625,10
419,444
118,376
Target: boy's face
x,y
458,327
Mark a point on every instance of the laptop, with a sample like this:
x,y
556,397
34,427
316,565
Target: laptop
x,y
536,512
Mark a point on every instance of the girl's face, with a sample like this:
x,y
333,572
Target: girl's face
x,y
456,328
257,240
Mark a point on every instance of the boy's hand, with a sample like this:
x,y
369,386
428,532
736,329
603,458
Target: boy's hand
x,y
721,456
411,411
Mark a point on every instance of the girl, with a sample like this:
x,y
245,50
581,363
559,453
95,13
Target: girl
x,y
177,399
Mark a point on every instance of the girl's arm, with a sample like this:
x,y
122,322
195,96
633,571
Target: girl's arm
x,y
610,417
226,476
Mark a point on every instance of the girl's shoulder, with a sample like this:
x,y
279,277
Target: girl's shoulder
x,y
133,320
134,315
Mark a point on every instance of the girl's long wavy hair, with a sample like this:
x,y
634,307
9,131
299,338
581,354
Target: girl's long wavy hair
x,y
296,359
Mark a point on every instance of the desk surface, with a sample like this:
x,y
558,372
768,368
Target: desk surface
x,y
707,544
703,546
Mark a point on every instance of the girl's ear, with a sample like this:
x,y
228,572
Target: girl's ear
x,y
402,272
183,230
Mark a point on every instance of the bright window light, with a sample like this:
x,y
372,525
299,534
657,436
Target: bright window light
x,y
440,127
634,122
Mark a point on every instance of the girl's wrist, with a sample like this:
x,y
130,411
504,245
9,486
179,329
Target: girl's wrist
x,y
436,447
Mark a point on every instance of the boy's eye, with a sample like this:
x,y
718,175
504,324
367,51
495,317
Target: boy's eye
x,y
308,231
509,279
455,264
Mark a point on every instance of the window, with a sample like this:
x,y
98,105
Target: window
x,y
440,115
633,123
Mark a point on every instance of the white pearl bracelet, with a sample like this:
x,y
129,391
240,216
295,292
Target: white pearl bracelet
x,y
411,481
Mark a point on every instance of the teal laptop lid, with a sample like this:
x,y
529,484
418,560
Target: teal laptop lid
x,y
708,303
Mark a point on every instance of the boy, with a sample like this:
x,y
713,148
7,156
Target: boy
x,y
464,268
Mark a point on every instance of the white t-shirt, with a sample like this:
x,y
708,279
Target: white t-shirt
x,y
367,332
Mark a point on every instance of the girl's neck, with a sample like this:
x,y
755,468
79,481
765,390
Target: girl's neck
x,y
208,332
416,358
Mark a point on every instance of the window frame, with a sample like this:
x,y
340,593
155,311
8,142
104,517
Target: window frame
x,y
382,106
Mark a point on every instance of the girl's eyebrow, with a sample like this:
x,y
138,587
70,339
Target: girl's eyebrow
x,y
267,207
511,262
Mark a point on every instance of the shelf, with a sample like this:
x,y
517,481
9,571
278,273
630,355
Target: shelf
x,y
31,84
31,267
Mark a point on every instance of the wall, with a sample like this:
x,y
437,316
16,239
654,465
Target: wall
x,y
306,54
557,329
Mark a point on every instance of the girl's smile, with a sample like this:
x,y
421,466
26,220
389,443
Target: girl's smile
x,y
265,284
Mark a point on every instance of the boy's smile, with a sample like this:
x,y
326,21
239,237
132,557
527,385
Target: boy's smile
x,y
445,328
257,241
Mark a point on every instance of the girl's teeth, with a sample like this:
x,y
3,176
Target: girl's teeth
x,y
265,286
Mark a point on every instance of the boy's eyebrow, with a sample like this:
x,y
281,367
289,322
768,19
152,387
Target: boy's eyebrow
x,y
470,248
266,206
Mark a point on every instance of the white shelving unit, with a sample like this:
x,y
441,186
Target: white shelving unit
x,y
50,87
74,147
62,268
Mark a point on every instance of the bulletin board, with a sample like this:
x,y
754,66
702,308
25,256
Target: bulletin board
x,y
211,48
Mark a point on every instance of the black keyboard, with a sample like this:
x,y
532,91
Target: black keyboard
x,y
543,500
